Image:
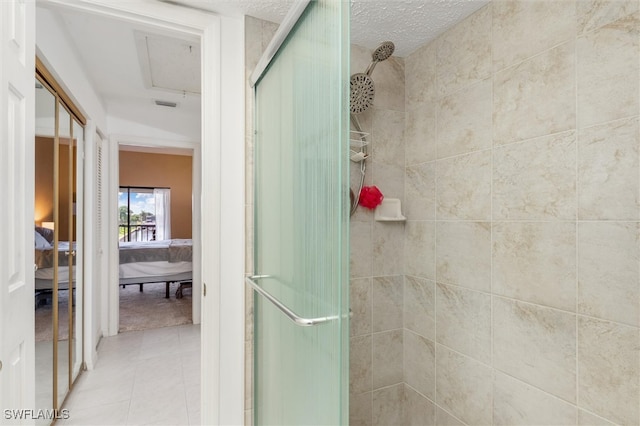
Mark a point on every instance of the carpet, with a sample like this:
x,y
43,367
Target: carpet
x,y
149,308
138,310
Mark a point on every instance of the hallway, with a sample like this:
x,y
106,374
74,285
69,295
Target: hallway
x,y
141,377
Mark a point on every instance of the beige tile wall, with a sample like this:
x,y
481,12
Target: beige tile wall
x,y
522,245
377,265
511,295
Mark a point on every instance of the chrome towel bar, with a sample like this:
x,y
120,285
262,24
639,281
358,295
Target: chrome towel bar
x,y
297,319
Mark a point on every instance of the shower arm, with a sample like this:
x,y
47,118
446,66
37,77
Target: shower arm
x,y
370,68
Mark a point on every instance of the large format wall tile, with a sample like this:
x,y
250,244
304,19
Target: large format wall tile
x,y
420,134
389,82
609,271
536,97
420,77
464,53
387,358
463,321
588,419
517,403
524,28
361,246
536,262
388,137
593,14
518,124
609,370
463,256
537,345
536,179
360,364
419,306
463,187
387,406
463,387
464,122
607,58
389,178
418,411
445,419
360,300
419,249
419,364
387,303
608,171
420,192
388,248
360,409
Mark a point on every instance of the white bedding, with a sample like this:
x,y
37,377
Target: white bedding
x,y
128,273
132,245
143,269
129,270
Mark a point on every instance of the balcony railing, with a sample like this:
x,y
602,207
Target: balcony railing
x,y
142,232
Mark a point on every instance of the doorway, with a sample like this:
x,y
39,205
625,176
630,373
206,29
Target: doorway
x,y
155,235
222,51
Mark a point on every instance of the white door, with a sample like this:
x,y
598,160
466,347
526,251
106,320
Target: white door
x,y
17,95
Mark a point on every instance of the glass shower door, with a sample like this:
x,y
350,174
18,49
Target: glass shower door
x,y
301,225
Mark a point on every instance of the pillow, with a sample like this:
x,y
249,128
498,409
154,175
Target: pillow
x,y
41,243
46,233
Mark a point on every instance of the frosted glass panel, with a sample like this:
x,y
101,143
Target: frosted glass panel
x,y
301,223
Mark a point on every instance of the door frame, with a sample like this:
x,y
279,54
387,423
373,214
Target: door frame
x,y
222,229
112,303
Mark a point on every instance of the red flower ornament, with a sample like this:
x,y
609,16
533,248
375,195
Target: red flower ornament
x,y
370,197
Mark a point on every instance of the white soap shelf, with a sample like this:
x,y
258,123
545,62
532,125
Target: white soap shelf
x,y
389,211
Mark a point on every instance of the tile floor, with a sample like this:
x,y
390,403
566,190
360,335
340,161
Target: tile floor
x,y
149,377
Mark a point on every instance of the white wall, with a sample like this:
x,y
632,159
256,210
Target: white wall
x,y
54,49
159,122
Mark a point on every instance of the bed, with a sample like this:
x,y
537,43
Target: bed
x,y
142,262
145,262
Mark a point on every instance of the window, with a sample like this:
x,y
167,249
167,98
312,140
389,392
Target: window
x,y
144,214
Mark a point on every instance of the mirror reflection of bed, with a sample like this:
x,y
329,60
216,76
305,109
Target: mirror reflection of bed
x,y
154,238
44,314
58,210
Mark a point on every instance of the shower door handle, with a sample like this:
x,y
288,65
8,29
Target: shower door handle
x,y
297,319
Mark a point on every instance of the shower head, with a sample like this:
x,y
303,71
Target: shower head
x,y
382,53
362,92
362,89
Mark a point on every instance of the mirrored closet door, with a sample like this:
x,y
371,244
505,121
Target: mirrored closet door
x,y
58,241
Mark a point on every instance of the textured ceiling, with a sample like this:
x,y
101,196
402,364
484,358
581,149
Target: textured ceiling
x,y
110,48
408,23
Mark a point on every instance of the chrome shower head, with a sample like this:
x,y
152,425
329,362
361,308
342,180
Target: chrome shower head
x,y
362,87
382,53
362,93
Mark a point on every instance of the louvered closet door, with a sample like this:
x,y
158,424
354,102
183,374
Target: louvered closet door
x,y
301,225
